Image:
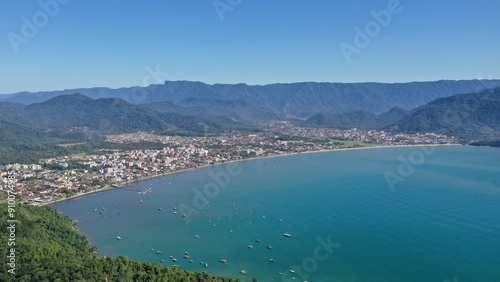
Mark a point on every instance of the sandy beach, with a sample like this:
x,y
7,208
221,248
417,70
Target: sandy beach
x,y
124,184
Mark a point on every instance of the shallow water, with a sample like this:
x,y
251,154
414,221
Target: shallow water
x,y
440,221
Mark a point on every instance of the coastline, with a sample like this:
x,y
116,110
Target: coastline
x,y
126,183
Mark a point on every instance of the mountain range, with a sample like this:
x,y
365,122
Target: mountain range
x,y
250,103
35,129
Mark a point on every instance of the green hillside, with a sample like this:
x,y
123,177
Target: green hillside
x,y
110,115
465,115
19,143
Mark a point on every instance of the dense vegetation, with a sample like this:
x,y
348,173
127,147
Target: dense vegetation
x,y
466,115
233,112
358,119
23,144
111,115
49,248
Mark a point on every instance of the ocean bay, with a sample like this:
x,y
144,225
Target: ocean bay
x,y
439,223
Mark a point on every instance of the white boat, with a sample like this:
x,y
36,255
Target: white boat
x,y
118,238
287,235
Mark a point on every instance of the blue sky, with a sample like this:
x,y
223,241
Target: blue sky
x,y
119,43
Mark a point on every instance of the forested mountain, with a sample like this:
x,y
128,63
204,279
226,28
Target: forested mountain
x,y
227,112
293,100
109,115
29,145
356,119
48,247
461,115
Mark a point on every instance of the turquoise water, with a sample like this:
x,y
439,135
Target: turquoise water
x,y
440,222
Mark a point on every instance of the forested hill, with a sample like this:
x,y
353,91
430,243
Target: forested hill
x,y
474,114
110,115
48,247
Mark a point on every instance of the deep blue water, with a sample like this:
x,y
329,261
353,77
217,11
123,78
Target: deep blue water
x,y
440,221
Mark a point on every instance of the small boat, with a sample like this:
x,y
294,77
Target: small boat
x,y
250,246
243,271
186,256
118,238
258,240
158,252
196,236
190,261
160,209
152,250
171,257
175,212
287,235
271,260
291,271
140,201
174,260
280,220
206,264
269,247
223,260
162,260
175,208
186,253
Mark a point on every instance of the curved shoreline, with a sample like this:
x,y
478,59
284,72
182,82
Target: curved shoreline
x,y
124,184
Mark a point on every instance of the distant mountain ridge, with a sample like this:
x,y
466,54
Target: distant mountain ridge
x,y
293,100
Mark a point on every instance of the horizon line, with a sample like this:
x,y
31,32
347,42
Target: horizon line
x,y
243,83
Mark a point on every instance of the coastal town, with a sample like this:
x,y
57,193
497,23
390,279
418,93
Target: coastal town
x,y
58,178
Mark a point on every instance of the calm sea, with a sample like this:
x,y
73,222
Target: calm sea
x,y
391,214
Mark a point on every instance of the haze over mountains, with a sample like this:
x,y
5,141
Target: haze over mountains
x,y
195,108
243,102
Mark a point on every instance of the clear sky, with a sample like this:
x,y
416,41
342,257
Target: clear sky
x,y
87,43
